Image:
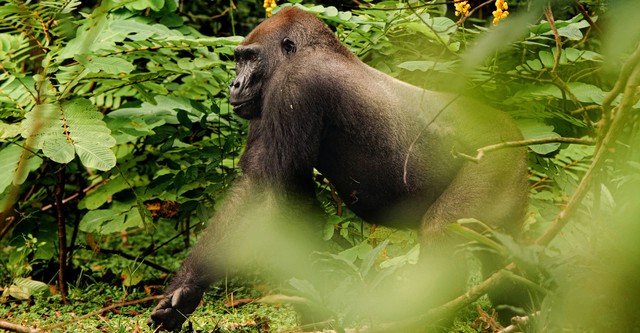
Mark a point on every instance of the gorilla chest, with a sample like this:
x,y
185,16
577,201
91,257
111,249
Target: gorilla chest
x,y
381,185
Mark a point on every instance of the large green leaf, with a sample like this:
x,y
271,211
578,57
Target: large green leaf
x,y
164,111
25,288
583,92
75,127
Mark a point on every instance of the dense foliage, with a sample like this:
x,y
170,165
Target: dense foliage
x,y
117,139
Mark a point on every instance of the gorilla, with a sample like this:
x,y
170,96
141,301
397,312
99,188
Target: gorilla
x,y
390,149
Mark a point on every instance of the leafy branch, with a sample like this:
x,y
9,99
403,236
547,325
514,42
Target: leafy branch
x,y
522,143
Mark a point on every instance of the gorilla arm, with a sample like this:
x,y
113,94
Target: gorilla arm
x,y
205,264
277,166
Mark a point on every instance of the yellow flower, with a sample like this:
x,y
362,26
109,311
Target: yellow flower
x,y
462,8
501,11
269,5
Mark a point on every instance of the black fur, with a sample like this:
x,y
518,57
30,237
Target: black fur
x,y
386,146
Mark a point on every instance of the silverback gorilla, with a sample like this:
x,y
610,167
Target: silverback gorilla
x,y
387,147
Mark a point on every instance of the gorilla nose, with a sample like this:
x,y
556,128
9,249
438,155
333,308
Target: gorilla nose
x,y
235,84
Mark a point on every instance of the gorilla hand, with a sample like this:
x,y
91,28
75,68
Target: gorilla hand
x,y
176,306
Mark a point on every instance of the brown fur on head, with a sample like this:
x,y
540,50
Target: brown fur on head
x,y
301,26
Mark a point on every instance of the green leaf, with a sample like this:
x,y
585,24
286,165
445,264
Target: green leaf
x,y
163,111
436,28
93,35
468,233
330,226
572,31
111,64
545,28
139,31
10,164
534,129
155,5
305,288
359,251
100,195
371,258
126,130
585,93
93,220
132,276
411,257
330,11
547,59
114,220
75,127
535,64
25,288
574,55
9,130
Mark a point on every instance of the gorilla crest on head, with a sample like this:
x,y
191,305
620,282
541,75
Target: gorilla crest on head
x,y
385,145
271,46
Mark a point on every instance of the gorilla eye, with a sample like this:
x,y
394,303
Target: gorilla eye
x,y
288,45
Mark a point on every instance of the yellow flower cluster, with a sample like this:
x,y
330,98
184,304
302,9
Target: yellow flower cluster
x,y
269,5
462,8
501,11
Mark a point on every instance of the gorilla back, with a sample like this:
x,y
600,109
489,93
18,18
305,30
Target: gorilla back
x,y
389,148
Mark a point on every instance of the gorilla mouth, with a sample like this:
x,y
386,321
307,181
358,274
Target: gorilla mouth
x,y
239,104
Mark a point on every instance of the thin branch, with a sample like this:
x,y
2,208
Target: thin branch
x,y
135,259
518,322
5,325
464,18
625,72
552,22
473,294
522,143
105,309
62,233
586,16
75,195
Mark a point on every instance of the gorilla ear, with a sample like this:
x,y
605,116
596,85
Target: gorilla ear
x,y
288,46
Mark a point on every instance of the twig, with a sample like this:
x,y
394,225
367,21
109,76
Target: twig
x,y
62,233
556,61
75,195
518,322
5,325
625,72
105,309
552,23
510,144
473,294
587,17
464,18
133,258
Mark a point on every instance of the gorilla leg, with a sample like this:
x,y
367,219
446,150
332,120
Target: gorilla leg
x,y
484,191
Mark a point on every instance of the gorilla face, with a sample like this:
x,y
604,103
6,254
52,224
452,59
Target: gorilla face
x,y
257,59
246,89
